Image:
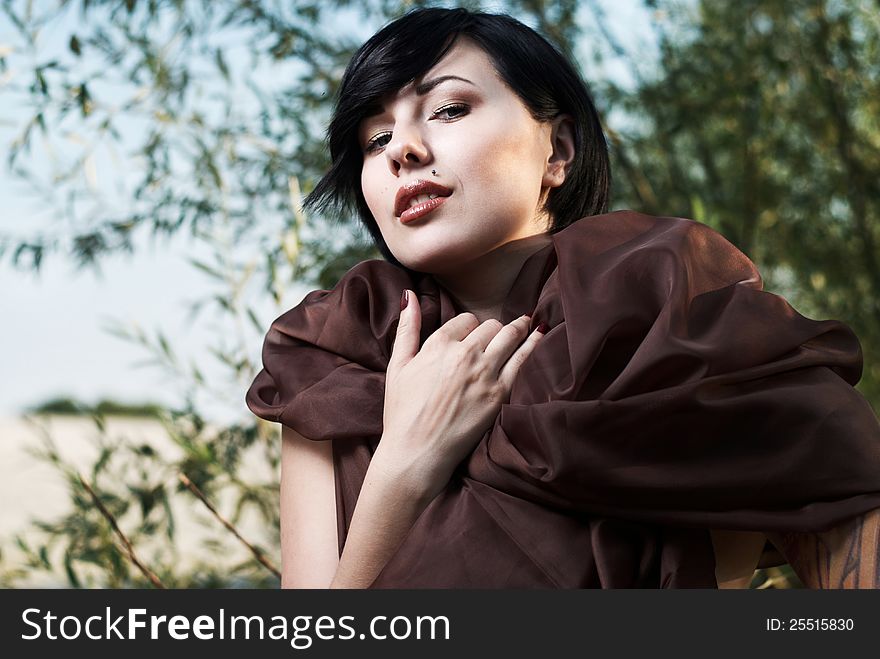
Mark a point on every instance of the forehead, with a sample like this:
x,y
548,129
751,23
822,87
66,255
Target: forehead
x,y
465,59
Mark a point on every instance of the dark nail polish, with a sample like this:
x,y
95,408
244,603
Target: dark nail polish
x,y
542,327
403,300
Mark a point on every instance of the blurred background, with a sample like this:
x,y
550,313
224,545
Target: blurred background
x,y
154,155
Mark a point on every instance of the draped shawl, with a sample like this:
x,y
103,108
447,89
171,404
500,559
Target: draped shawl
x,y
670,396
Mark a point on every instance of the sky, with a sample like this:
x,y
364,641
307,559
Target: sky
x,y
53,342
53,324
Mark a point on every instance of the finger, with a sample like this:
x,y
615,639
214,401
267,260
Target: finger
x,y
510,369
500,347
459,327
409,327
483,335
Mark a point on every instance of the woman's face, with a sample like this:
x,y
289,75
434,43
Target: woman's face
x,y
494,164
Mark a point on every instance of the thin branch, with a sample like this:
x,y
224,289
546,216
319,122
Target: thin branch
x,y
256,552
129,548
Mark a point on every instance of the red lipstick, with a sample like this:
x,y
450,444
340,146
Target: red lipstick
x,y
423,208
406,211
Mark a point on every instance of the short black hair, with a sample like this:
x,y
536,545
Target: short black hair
x,y
531,66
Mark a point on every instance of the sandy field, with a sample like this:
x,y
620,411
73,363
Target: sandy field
x,y
33,489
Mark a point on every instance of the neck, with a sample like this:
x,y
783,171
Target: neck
x,y
481,286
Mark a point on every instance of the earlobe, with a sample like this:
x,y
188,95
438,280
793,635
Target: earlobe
x,y
562,141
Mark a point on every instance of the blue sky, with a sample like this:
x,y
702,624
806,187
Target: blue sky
x,y
54,337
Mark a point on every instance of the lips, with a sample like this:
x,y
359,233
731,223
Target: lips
x,y
432,195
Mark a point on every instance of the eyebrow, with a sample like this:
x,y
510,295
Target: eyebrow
x,y
421,90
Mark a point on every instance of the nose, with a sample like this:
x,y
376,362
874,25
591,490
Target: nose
x,y
406,149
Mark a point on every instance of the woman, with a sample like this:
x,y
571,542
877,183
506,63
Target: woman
x,y
562,398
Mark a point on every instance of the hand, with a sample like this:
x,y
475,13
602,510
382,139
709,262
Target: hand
x,y
441,400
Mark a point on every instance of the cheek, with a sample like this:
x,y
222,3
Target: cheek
x,y
367,187
511,141
372,189
379,195
511,165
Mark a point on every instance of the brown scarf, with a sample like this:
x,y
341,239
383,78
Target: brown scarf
x,y
671,395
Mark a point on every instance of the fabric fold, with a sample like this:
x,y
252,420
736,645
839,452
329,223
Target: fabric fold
x,y
671,395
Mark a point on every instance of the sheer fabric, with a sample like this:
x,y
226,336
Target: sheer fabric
x,y
671,396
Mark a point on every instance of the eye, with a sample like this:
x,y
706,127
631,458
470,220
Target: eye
x,y
377,141
450,112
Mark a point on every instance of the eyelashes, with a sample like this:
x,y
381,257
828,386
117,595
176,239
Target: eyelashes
x,y
462,108
446,114
374,142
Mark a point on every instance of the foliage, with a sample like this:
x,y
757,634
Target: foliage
x,y
765,123
165,117
207,117
139,491
68,406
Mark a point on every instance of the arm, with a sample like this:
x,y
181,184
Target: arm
x,y
388,505
439,400
390,501
846,556
309,544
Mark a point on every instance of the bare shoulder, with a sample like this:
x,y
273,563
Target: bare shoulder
x,y
309,542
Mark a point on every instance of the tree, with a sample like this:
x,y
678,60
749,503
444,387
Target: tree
x,y
169,117
759,118
762,120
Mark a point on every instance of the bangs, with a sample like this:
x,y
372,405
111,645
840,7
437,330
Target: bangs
x,y
407,48
390,60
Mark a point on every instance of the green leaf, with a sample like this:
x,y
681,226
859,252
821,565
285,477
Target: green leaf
x,y
84,99
41,81
170,527
254,320
221,64
166,347
44,557
71,573
207,269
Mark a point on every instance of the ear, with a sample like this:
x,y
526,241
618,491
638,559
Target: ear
x,y
562,143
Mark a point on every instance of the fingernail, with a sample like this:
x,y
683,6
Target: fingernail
x,y
403,300
542,327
